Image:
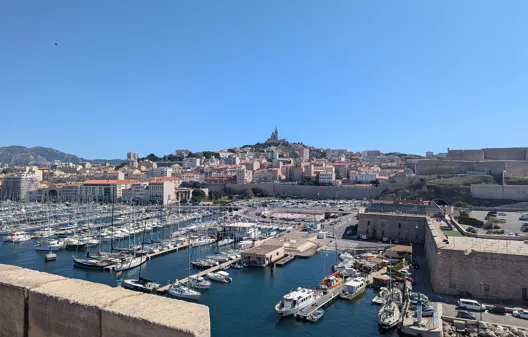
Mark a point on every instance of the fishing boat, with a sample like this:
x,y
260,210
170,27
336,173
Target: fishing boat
x,y
198,282
131,262
295,300
219,276
19,236
353,288
141,284
182,291
331,282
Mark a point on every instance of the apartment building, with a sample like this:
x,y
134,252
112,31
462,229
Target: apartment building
x,y
267,175
191,163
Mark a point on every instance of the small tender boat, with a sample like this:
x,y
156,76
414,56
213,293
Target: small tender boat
x,y
382,297
181,291
219,276
50,257
198,282
295,300
315,315
353,288
141,284
238,265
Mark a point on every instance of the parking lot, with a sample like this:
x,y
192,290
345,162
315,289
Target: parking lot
x,y
512,224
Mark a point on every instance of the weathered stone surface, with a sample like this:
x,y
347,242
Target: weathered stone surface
x,y
70,308
165,317
14,285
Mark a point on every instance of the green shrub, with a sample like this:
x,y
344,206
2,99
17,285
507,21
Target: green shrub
x,y
496,231
466,220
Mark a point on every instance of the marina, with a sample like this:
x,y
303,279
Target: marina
x,y
320,303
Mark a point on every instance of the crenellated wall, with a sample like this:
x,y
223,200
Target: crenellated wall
x,y
37,304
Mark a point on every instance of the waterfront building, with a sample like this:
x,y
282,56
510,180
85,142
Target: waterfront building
x,y
327,177
103,190
267,175
240,230
361,176
263,255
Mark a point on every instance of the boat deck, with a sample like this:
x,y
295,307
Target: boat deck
x,y
161,252
285,260
201,273
320,303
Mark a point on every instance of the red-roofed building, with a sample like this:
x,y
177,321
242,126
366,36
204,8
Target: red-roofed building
x,y
103,190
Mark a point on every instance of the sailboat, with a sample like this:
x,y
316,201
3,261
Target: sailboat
x,y
181,291
389,315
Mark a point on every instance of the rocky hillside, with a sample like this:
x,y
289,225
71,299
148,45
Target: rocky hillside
x,y
38,155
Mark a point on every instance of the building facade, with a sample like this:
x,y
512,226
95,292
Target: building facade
x,y
17,186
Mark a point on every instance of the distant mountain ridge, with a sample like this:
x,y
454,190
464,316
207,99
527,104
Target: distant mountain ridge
x,y
21,156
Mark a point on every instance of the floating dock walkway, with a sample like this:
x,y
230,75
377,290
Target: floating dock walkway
x,y
285,260
319,303
201,273
156,254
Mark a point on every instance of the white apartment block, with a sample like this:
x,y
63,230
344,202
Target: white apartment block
x,y
191,163
244,176
160,172
326,177
267,175
161,192
103,190
361,177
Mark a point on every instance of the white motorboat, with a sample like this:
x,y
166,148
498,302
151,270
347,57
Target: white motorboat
x,y
48,245
181,291
202,242
219,276
130,263
198,282
19,237
50,257
295,300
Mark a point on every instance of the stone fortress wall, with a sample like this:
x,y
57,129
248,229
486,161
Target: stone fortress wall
x,y
500,192
491,160
460,271
37,304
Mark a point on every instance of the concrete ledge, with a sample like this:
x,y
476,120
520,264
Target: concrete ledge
x,y
70,307
37,304
15,283
148,315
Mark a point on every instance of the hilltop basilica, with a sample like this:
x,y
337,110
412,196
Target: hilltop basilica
x,y
275,137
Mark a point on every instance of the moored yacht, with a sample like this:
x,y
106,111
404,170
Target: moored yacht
x,y
130,263
48,245
331,282
141,284
295,300
181,291
19,236
198,282
389,315
219,276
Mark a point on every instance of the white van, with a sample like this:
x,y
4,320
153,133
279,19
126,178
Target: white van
x,y
471,305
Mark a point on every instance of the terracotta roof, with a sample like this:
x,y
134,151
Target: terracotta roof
x,y
162,179
108,182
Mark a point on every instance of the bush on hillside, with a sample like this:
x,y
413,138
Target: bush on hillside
x,y
472,230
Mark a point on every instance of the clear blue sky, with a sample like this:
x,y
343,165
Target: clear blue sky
x,y
155,76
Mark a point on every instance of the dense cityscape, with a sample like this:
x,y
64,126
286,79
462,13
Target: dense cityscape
x,y
431,239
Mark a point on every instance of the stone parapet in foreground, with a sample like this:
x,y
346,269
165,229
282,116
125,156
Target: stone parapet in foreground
x,y
38,304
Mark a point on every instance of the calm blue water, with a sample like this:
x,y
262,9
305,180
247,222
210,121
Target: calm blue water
x,y
242,308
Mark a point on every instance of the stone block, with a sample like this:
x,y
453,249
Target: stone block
x,y
70,308
15,283
151,315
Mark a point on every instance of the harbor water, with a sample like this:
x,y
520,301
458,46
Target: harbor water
x,y
244,307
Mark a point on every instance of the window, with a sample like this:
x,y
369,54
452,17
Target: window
x,y
399,225
382,233
368,223
452,285
524,294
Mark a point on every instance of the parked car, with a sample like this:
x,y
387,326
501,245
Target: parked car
x,y
465,314
502,220
502,214
426,312
520,314
498,310
468,304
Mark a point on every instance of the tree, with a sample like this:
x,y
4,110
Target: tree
x,y
198,195
153,157
248,193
